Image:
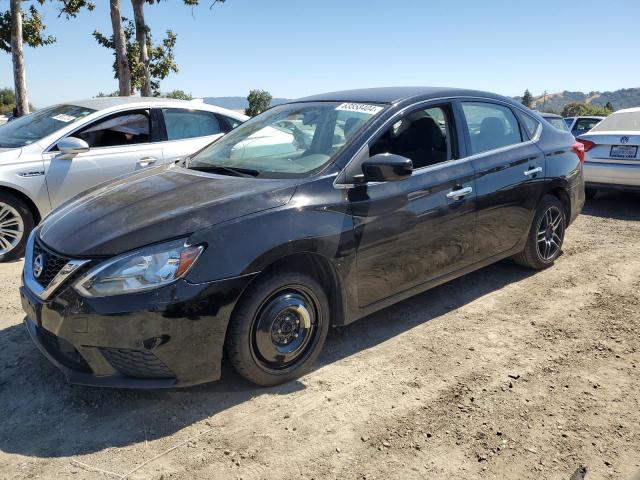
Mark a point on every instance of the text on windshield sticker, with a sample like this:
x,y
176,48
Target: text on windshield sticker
x,y
360,108
63,117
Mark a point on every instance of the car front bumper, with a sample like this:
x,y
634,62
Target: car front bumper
x,y
170,337
612,175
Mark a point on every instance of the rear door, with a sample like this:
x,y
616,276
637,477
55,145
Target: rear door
x,y
421,228
510,174
119,144
188,131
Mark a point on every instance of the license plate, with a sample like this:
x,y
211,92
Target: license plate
x,y
623,151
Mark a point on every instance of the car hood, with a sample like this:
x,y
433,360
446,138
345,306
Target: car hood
x,y
9,155
153,206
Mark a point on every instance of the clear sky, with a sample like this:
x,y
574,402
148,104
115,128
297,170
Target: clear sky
x,y
294,47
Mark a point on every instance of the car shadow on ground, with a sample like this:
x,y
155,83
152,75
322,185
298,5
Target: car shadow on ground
x,y
615,205
46,417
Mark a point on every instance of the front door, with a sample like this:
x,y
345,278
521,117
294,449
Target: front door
x,y
415,230
510,170
118,145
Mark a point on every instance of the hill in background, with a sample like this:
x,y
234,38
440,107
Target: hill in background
x,y
236,103
554,102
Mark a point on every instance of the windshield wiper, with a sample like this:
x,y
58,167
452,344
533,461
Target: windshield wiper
x,y
238,172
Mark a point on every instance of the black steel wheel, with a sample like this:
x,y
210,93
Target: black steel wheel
x,y
546,235
278,328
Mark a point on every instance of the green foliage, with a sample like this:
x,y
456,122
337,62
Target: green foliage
x,y
161,57
7,100
32,29
112,94
576,109
178,94
527,99
259,101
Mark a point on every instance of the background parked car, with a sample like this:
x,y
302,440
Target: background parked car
x,y
55,153
580,125
611,153
555,120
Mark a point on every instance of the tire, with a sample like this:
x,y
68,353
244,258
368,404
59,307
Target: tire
x,y
544,242
590,193
16,223
278,328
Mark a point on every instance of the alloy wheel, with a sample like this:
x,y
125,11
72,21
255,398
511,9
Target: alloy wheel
x,y
11,228
285,328
550,233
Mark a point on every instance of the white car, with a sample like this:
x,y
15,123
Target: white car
x,y
611,153
58,152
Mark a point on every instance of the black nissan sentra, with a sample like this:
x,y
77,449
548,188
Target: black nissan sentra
x,y
315,213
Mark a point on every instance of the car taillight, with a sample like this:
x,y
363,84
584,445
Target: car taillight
x,y
579,149
588,144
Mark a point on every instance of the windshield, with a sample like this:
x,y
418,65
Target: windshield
x,y
557,122
288,140
31,128
619,122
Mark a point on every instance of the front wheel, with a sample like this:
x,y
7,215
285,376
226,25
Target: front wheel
x,y
278,328
546,235
16,222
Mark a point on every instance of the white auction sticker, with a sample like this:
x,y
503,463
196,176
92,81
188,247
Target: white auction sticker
x,y
63,117
360,108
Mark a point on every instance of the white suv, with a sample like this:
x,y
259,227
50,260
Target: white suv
x,y
58,152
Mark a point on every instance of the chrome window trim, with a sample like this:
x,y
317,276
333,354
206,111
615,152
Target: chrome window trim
x,y
430,168
30,281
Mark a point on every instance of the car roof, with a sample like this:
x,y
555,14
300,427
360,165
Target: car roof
x,y
628,110
393,95
549,115
103,103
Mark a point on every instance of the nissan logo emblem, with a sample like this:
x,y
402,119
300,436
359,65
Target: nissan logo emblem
x,y
624,139
38,266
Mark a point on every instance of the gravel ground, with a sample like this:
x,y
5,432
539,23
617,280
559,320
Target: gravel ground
x,y
505,373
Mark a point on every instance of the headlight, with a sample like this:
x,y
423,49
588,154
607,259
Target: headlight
x,y
141,270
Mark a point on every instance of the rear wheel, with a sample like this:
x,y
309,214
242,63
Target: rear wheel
x,y
590,193
16,222
546,236
278,328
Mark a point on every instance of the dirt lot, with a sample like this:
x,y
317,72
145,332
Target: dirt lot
x,y
504,373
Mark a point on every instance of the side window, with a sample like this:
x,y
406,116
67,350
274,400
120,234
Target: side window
x,y
491,126
126,128
530,124
182,123
231,122
424,136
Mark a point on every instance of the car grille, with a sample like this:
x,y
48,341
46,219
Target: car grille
x,y
136,363
53,263
63,351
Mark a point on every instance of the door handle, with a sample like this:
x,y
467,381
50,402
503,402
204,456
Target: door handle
x,y
458,194
146,161
532,171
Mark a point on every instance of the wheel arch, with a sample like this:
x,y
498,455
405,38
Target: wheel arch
x,y
322,269
559,190
26,199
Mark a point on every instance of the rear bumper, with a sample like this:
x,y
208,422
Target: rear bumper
x,y
612,175
172,337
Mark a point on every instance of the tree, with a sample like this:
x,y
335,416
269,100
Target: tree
x,y
259,101
161,58
18,27
577,109
143,39
527,99
179,94
609,106
123,73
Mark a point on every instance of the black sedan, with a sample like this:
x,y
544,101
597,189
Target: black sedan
x,y
313,214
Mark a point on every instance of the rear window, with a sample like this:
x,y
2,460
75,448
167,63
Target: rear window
x,y
619,122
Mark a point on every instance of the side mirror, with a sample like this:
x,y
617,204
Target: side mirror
x,y
70,147
386,167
